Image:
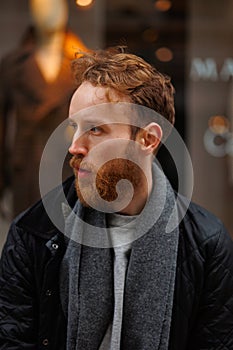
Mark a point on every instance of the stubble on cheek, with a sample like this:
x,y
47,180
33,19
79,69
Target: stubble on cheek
x,y
104,185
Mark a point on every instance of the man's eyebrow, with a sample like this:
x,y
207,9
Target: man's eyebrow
x,y
71,121
88,120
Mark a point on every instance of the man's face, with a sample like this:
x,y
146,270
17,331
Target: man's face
x,y
102,148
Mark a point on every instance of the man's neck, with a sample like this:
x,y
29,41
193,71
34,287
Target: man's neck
x,y
140,197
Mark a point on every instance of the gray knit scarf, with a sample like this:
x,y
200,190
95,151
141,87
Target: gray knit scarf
x,y
86,282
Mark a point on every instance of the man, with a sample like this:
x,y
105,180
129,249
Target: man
x,y
110,259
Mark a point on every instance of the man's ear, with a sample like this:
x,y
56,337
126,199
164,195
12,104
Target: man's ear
x,y
150,137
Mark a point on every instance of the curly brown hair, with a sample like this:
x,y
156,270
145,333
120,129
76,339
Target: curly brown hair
x,y
129,75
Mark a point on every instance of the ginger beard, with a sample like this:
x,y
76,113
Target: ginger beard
x,y
107,177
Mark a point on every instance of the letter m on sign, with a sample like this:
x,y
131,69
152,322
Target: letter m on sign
x,y
203,69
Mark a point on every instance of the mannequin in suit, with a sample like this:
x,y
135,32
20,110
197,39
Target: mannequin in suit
x,y
35,91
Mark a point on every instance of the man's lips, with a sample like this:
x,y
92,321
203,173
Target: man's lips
x,y
80,169
82,172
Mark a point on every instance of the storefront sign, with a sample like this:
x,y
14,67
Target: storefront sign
x,y
207,69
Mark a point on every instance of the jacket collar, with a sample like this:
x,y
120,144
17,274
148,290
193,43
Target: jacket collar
x,y
37,219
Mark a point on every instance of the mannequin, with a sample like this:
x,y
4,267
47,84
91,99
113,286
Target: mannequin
x,y
50,24
35,89
50,18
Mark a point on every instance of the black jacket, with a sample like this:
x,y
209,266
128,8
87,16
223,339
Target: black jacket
x,y
31,315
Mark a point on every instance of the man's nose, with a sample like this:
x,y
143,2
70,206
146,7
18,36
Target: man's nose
x,y
78,146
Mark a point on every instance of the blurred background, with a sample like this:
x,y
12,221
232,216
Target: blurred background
x,y
190,40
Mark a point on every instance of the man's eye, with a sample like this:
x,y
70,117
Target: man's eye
x,y
95,130
73,126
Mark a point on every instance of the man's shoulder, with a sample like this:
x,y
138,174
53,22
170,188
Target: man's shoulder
x,y
203,218
46,216
202,228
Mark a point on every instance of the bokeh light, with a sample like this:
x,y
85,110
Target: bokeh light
x,y
164,54
84,3
163,5
219,124
150,35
